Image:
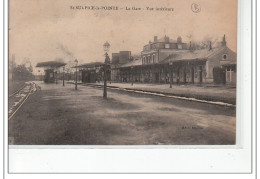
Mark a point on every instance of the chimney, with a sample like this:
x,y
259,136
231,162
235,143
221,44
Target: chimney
x,y
179,39
224,43
155,38
166,39
210,47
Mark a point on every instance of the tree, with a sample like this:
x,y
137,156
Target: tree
x,y
21,72
204,43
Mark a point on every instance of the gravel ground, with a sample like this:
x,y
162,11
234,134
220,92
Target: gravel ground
x,y
61,115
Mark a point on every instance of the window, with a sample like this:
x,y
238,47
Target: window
x,y
153,58
167,45
179,46
225,56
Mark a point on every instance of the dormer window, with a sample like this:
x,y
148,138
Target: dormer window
x,y
167,45
224,56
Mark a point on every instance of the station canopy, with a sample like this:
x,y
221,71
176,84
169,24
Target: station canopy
x,y
90,65
50,64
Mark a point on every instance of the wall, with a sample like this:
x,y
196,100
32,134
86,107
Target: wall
x,y
115,58
231,74
151,53
124,56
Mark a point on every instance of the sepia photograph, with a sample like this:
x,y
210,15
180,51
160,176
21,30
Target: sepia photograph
x,y
128,73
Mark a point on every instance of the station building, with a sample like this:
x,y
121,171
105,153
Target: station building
x,y
119,59
90,72
51,69
165,59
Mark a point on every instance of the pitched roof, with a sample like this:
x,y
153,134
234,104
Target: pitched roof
x,y
229,63
136,62
188,55
202,54
51,64
90,65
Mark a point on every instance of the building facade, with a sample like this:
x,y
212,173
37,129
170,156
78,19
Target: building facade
x,y
119,59
156,51
51,69
165,60
91,72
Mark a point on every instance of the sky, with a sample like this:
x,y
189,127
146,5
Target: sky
x,y
45,30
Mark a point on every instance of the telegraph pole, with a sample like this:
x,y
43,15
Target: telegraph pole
x,y
76,83
63,76
171,77
106,47
13,59
105,75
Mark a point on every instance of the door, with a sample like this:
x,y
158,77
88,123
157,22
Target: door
x,y
157,77
219,75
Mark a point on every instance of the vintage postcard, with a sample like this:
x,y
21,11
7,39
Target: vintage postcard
x,y
88,72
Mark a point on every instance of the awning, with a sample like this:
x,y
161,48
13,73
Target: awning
x,y
90,65
51,64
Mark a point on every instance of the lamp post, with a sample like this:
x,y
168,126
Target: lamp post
x,y
76,78
170,64
132,75
63,76
106,47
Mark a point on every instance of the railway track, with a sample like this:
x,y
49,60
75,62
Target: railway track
x,y
18,98
10,96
